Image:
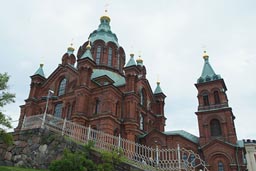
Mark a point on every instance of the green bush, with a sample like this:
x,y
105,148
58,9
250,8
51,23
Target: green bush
x,y
69,162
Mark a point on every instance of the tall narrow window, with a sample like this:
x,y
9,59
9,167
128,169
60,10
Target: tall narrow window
x,y
118,61
215,127
216,97
143,101
58,110
109,56
62,87
206,100
97,106
98,54
141,122
220,166
117,108
69,112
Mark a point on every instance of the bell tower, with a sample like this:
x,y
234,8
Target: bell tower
x,y
215,117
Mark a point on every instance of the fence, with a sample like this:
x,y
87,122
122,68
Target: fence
x,y
144,157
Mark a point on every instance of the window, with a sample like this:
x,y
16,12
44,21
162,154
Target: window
x,y
97,106
141,122
62,87
98,54
215,127
118,61
216,97
58,110
220,166
206,100
117,108
69,112
110,56
143,101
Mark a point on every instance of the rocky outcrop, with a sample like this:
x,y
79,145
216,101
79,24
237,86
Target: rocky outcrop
x,y
37,148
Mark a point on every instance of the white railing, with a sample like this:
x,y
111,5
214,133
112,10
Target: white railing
x,y
144,157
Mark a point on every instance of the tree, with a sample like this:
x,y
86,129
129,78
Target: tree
x,y
5,98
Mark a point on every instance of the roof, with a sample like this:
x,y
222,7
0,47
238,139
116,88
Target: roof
x,y
117,78
104,33
208,73
158,89
87,54
240,143
131,62
183,134
40,71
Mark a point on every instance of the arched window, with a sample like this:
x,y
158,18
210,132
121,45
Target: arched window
x,y
141,122
98,54
216,97
62,87
58,110
143,100
220,166
215,127
109,56
97,104
206,100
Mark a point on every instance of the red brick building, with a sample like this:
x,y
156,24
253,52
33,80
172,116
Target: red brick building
x,y
97,87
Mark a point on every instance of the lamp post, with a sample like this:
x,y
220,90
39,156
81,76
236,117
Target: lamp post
x,y
46,107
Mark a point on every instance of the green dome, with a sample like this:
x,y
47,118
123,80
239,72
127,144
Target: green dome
x,y
104,32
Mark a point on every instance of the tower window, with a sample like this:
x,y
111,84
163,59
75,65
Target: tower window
x,y
118,61
206,100
62,87
58,110
215,127
220,166
216,97
141,122
98,54
110,56
97,106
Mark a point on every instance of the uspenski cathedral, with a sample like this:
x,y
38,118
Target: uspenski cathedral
x,y
102,87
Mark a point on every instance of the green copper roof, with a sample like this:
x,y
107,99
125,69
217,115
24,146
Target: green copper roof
x,y
131,62
184,134
118,79
104,33
208,73
87,54
240,143
158,89
40,71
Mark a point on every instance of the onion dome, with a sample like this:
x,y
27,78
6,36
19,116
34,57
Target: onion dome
x,y
104,31
40,71
71,49
208,73
139,61
131,62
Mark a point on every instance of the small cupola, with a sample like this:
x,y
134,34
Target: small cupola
x,y
69,57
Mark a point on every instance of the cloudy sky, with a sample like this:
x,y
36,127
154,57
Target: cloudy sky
x,y
170,34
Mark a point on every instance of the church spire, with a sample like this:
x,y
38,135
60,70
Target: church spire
x,y
158,88
40,71
87,53
131,62
208,73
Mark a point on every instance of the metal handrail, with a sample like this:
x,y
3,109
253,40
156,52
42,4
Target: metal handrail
x,y
141,156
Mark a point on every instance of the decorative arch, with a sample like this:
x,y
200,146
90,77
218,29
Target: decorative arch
x,y
218,157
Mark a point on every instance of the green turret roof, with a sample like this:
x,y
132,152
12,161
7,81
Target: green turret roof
x,y
208,73
158,89
87,53
40,71
104,32
131,62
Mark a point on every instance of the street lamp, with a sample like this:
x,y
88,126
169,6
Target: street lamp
x,y
46,107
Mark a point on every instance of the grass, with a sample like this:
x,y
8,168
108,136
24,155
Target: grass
x,y
7,168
